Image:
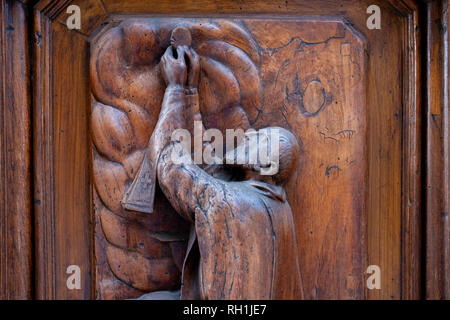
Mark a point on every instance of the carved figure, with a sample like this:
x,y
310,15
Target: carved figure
x,y
304,74
242,243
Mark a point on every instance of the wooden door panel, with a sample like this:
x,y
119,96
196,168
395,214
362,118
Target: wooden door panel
x,y
348,93
314,84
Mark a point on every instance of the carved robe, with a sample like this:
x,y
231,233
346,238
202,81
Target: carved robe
x,y
243,243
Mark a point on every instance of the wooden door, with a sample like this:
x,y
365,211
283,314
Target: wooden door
x,y
367,106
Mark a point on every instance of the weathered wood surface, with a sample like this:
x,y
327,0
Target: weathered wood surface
x,y
312,82
386,128
62,190
16,280
437,267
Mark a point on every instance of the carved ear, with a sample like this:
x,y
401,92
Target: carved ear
x,y
269,190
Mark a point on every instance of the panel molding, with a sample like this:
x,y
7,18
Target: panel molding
x,y
43,158
58,224
437,226
412,152
47,11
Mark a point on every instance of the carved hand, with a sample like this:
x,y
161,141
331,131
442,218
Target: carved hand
x,y
173,67
193,61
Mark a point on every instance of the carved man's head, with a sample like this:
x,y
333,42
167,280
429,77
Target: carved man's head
x,y
289,151
280,163
262,158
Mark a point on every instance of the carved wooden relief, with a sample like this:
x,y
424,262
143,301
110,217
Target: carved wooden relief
x,y
304,75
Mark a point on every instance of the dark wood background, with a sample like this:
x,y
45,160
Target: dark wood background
x,y
45,191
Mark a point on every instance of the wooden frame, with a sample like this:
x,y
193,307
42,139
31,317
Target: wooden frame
x,y
43,142
15,164
418,158
48,228
412,150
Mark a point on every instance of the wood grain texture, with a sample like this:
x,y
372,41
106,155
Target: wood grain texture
x,y
43,162
62,190
314,75
412,176
72,190
15,168
386,123
412,146
314,84
437,153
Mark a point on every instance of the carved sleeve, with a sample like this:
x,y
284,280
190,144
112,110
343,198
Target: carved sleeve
x,y
170,118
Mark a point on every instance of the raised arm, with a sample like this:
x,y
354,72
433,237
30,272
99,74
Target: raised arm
x,y
140,195
189,189
180,106
172,114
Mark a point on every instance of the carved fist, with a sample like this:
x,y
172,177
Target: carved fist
x,y
173,67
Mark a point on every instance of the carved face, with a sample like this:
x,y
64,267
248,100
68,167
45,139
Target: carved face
x,y
259,153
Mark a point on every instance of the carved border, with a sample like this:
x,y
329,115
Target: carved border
x,y
49,273
437,176
411,233
46,11
15,166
